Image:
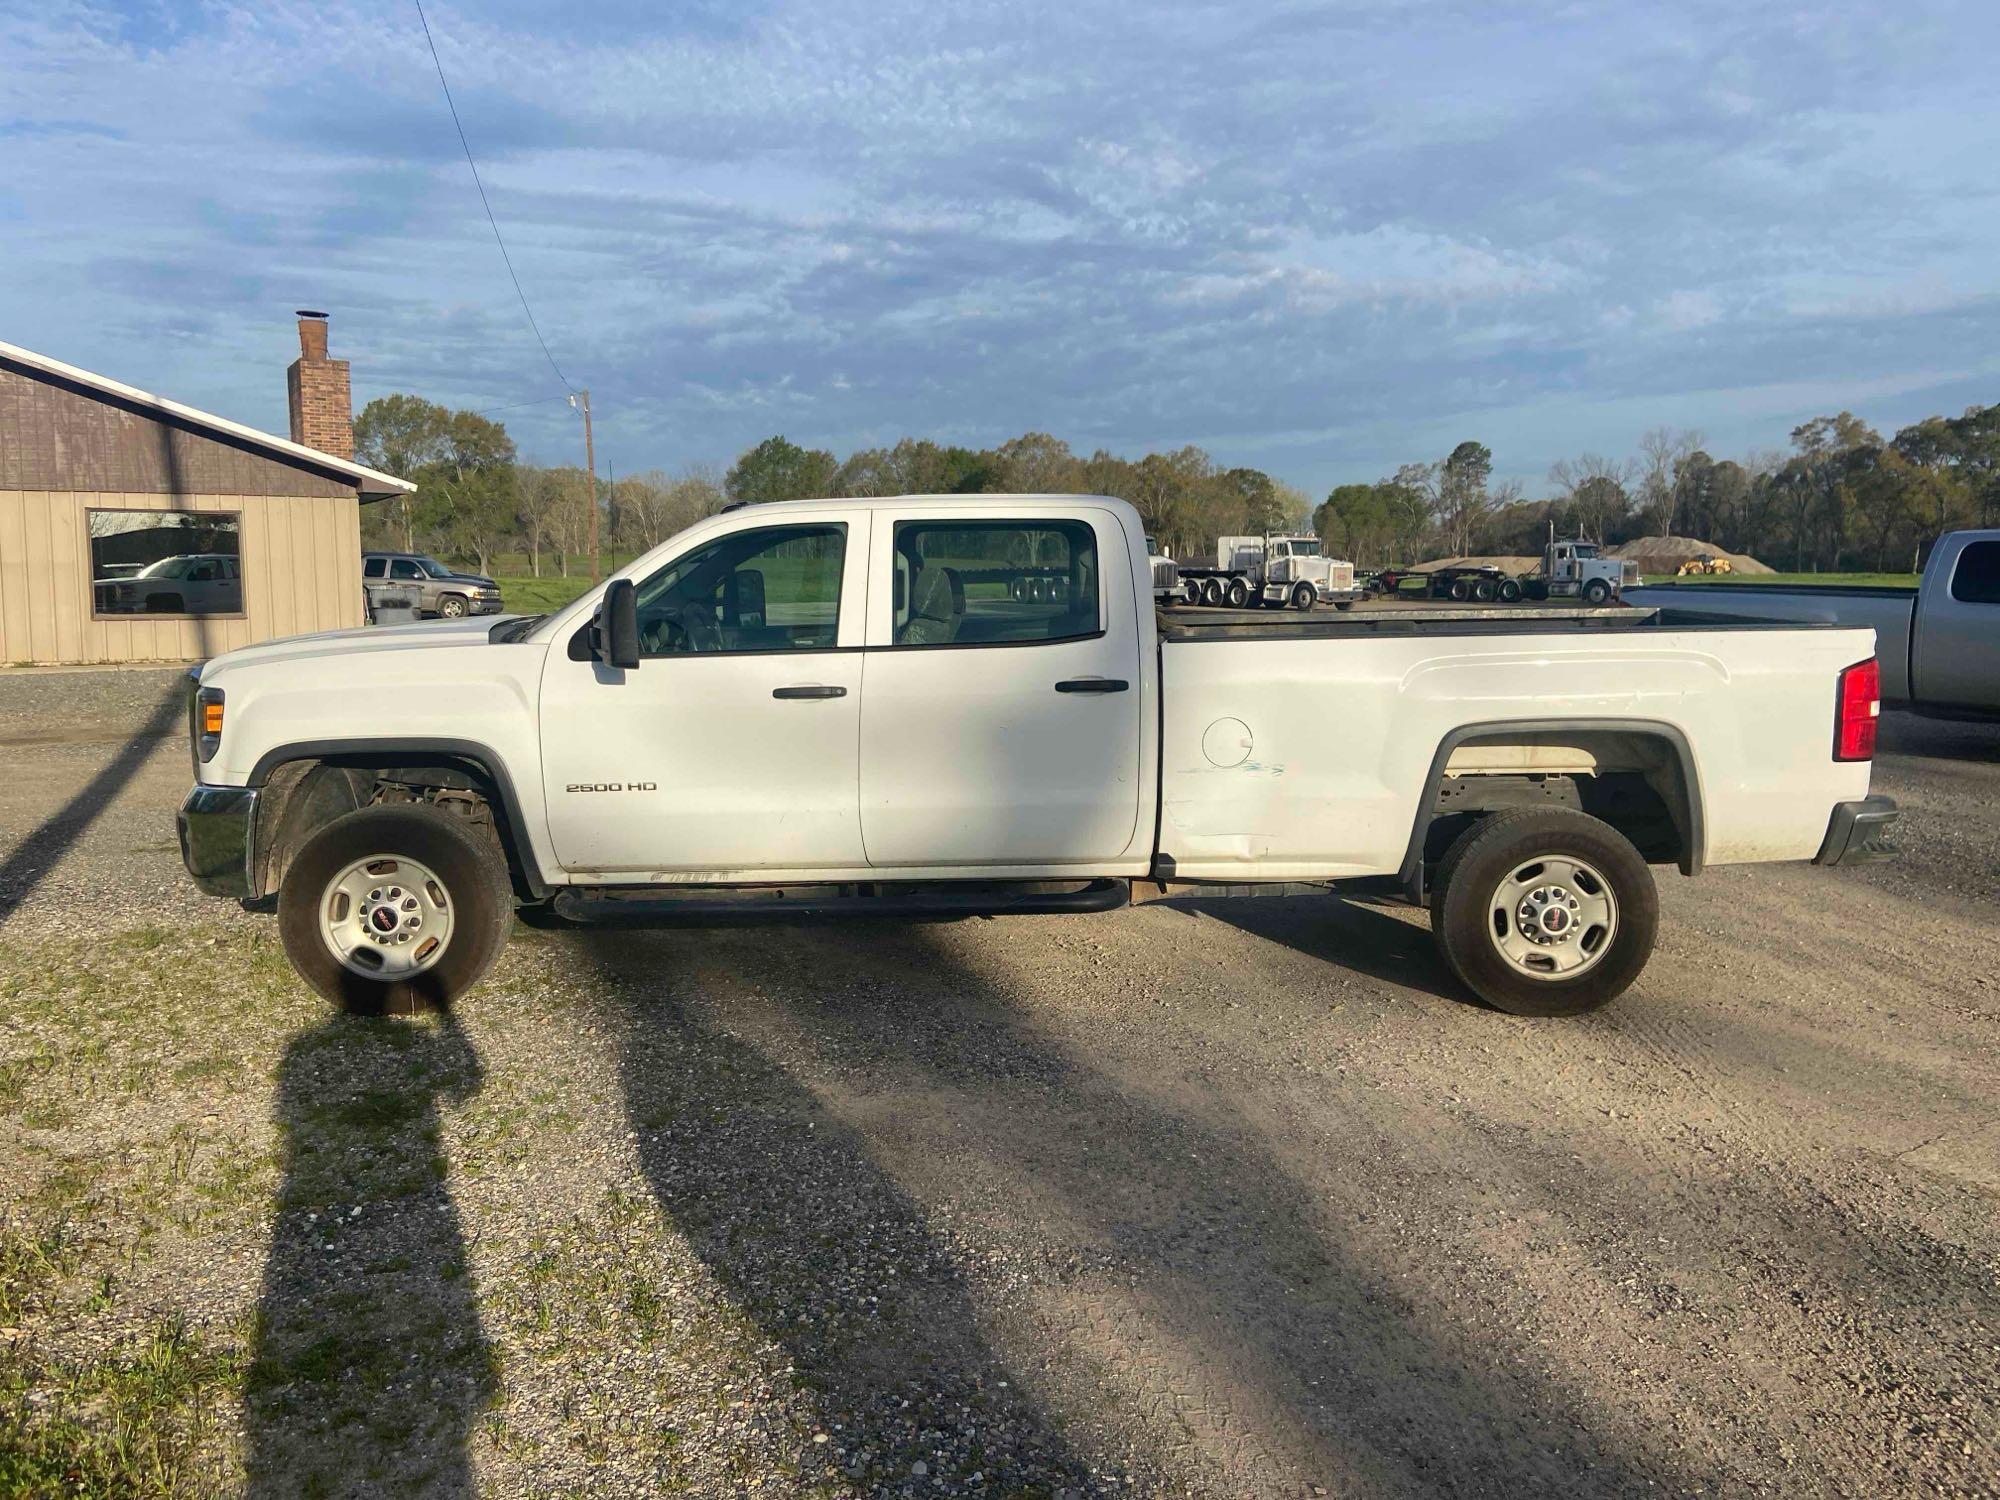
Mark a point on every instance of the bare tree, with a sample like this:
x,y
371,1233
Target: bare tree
x,y
1663,451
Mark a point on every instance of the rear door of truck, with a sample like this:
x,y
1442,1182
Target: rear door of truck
x,y
1002,689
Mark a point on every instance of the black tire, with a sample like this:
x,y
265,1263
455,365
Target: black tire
x,y
1461,589
1191,590
452,607
1304,597
1536,589
1211,593
1238,595
1486,854
474,877
1344,604
1510,590
1596,591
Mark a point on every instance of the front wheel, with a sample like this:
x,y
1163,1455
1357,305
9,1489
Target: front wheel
x,y
1596,591
1544,912
1304,597
452,606
394,910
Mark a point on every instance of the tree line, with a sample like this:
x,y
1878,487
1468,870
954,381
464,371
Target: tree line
x,y
1841,498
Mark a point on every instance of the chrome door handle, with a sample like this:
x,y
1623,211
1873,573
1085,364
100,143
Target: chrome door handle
x,y
810,690
1093,685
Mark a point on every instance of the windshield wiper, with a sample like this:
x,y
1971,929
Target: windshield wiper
x,y
511,632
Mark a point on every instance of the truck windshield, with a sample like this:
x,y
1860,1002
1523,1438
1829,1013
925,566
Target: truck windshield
x,y
1308,548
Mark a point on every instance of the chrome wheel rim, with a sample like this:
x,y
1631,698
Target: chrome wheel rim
x,y
386,917
1552,917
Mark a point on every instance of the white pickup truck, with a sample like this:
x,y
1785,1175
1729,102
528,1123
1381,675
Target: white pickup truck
x,y
851,706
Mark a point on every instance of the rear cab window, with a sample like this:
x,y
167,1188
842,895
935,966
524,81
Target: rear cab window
x,y
994,581
1976,578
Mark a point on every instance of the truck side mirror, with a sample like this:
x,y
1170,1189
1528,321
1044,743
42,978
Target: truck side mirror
x,y
615,636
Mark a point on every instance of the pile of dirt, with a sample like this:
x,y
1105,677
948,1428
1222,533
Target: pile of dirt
x,y
1665,554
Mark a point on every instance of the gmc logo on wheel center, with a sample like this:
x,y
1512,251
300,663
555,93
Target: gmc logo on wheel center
x,y
612,786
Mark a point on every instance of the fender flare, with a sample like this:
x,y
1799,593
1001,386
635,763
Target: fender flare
x,y
482,761
1688,815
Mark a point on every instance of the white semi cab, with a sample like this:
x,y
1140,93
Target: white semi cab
x,y
862,706
1273,570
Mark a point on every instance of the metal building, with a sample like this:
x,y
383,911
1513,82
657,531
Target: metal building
x,y
133,528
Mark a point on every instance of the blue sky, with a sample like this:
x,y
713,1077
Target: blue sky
x,y
1318,239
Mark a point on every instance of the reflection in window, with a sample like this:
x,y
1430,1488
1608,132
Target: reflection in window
x,y
165,562
967,583
774,589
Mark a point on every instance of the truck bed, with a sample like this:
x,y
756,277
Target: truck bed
x,y
1489,619
1889,612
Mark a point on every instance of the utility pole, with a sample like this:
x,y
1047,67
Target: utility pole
x,y
581,401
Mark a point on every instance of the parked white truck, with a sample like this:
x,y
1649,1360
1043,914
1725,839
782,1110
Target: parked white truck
x,y
846,706
1273,570
1939,643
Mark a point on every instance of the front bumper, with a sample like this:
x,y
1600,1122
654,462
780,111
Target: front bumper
x,y
1857,833
489,606
218,829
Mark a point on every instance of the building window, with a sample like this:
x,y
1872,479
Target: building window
x,y
165,562
986,583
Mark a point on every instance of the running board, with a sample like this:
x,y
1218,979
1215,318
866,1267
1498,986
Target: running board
x,y
654,906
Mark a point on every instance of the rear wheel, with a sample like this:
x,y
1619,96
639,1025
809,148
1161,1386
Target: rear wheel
x,y
1211,593
1304,597
1510,590
1192,590
394,910
1461,589
1544,912
1238,594
1484,590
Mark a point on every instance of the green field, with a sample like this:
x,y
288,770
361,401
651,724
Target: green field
x,y
538,596
1849,580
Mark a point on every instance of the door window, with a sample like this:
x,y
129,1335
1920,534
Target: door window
x,y
970,583
773,589
1976,579
402,567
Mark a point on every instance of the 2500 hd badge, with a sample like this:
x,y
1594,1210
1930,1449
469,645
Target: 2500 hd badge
x,y
612,786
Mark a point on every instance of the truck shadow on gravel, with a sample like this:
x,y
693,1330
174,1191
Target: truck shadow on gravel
x,y
369,1365
1347,932
1283,1343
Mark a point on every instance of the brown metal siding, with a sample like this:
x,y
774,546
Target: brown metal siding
x,y
53,437
301,573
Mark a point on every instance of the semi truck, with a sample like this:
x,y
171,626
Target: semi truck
x,y
1275,570
833,708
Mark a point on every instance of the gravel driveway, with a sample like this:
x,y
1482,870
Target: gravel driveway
x,y
1213,1199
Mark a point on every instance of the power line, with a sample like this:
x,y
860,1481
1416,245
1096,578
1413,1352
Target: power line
x,y
439,64
517,405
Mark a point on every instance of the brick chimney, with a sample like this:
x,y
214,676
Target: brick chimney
x,y
322,410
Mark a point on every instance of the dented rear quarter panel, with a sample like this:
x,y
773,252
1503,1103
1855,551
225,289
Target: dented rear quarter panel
x,y
1343,733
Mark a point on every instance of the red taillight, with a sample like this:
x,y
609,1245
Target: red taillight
x,y
1858,707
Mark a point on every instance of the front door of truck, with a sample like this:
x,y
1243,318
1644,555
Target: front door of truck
x,y
732,746
1958,633
1002,692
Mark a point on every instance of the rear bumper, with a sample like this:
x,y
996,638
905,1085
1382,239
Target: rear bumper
x,y
1857,834
218,829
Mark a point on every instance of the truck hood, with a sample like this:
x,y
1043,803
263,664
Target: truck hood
x,y
424,635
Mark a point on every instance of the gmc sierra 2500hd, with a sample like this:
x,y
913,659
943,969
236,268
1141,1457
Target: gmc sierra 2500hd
x,y
837,706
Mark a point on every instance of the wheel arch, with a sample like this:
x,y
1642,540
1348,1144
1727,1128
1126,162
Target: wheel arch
x,y
1678,784
285,771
